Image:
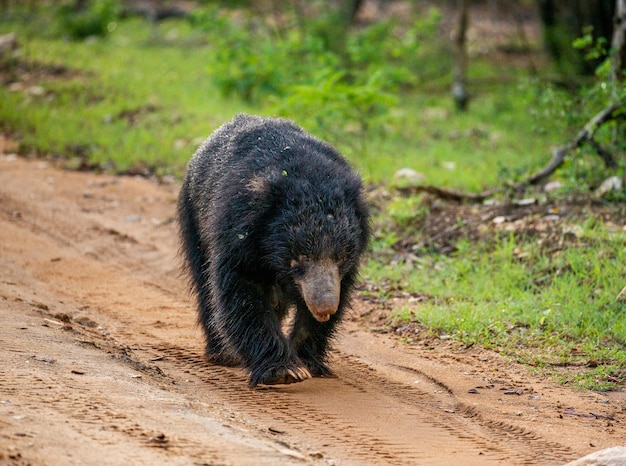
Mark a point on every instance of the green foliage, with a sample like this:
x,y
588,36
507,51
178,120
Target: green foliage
x,y
390,51
594,49
317,70
329,103
251,62
97,18
584,170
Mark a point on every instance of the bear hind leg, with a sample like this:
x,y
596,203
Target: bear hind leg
x,y
217,351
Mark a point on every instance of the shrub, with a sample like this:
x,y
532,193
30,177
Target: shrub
x,y
96,18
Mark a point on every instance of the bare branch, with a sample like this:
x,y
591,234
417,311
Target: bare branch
x,y
609,160
610,112
447,194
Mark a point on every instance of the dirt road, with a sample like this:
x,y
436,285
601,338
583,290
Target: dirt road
x,y
101,360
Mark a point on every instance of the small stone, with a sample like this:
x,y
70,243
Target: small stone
x,y
292,453
36,91
613,183
552,186
409,176
615,456
159,438
525,202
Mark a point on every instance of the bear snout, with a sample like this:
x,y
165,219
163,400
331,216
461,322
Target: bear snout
x,y
321,286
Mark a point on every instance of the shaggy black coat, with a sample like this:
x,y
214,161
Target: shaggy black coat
x,y
263,204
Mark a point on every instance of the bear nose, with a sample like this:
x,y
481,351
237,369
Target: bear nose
x,y
320,288
324,304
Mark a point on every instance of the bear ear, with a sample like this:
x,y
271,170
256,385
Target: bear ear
x,y
259,187
267,183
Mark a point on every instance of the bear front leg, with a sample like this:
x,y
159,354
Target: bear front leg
x,y
310,340
251,326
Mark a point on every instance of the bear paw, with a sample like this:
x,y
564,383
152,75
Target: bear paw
x,y
286,374
318,369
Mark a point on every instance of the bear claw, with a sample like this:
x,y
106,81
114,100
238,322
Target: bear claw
x,y
284,376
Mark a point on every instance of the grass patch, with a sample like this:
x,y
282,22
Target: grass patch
x,y
138,98
548,300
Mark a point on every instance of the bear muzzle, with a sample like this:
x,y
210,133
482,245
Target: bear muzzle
x,y
320,286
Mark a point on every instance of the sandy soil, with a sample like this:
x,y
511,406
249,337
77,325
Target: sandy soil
x,y
101,360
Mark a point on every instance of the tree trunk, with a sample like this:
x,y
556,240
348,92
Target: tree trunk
x,y
354,8
564,21
617,45
459,72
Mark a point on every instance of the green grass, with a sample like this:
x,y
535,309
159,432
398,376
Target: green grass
x,y
143,97
462,150
545,308
132,99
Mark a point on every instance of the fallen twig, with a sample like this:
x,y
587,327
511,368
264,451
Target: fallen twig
x,y
448,194
441,235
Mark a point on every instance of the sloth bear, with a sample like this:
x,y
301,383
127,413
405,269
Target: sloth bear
x,y
271,218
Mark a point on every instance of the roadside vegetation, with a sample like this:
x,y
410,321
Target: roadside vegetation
x,y
539,275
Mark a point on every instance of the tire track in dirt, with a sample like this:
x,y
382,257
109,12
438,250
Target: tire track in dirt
x,y
435,424
39,385
514,443
110,268
286,411
72,392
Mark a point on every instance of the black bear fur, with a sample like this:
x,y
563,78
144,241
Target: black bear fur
x,y
271,218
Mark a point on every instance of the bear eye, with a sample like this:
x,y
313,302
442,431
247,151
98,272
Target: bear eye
x,y
300,264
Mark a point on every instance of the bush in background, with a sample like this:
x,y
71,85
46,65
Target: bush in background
x,y
86,19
